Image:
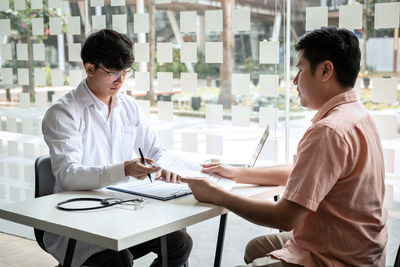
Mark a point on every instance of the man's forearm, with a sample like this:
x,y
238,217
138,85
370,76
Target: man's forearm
x,y
276,175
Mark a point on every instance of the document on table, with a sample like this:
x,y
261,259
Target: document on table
x,y
187,168
157,189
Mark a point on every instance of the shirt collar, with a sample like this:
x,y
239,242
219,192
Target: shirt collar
x,y
340,99
98,104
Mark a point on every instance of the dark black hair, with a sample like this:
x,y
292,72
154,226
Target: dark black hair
x,y
340,46
112,49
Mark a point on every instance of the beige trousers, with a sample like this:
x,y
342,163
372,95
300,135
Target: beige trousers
x,y
259,247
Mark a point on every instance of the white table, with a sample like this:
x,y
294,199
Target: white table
x,y
118,227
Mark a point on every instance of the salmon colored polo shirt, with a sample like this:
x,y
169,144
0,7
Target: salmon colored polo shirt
x,y
338,175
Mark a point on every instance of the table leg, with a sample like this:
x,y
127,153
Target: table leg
x,y
220,240
164,253
69,253
126,261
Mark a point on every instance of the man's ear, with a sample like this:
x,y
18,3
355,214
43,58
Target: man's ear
x,y
89,68
327,70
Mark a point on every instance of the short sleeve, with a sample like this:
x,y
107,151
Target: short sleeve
x,y
320,162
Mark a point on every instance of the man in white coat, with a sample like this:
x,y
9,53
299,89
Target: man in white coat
x,y
91,133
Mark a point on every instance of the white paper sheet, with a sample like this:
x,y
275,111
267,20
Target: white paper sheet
x,y
119,23
22,51
11,124
38,52
141,52
384,90
388,155
187,168
142,80
37,26
19,4
74,25
164,52
214,144
98,22
74,52
213,20
240,84
39,76
269,85
6,53
188,82
167,139
27,126
24,100
41,100
269,52
188,21
241,116
214,114
12,147
75,77
386,125
118,3
29,173
7,74
165,110
141,23
350,16
5,27
94,3
4,5
316,17
55,26
57,77
386,15
189,52
189,142
29,150
36,4
23,76
241,20
214,52
53,4
268,116
164,80
144,107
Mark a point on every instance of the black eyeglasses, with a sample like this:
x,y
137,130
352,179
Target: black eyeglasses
x,y
115,75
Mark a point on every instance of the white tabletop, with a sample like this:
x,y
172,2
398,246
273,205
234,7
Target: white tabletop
x,y
119,227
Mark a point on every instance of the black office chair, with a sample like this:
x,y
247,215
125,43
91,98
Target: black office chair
x,y
44,184
397,260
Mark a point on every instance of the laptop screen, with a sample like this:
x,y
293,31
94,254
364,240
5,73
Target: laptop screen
x,y
259,147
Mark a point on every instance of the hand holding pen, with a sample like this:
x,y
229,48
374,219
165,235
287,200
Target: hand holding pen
x,y
144,163
137,169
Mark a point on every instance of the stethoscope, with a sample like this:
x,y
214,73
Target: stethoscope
x,y
104,203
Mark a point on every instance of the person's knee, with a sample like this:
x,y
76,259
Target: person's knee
x,y
252,250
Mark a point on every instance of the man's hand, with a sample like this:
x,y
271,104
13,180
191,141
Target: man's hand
x,y
168,176
138,170
222,170
203,189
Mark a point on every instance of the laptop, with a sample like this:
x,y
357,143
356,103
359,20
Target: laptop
x,y
257,152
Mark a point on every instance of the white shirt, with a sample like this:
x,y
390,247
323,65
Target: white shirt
x,y
88,148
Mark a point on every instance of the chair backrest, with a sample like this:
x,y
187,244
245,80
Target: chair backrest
x,y
44,185
397,260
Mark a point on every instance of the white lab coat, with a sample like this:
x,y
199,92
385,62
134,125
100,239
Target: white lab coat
x,y
88,148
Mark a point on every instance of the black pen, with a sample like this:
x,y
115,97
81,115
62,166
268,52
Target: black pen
x,y
143,162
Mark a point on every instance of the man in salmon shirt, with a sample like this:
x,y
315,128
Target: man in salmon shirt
x,y
333,201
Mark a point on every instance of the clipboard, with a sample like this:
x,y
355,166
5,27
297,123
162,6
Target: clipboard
x,y
157,190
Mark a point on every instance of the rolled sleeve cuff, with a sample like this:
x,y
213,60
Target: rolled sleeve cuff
x,y
112,173
301,200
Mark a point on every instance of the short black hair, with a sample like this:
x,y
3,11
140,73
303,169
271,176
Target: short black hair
x,y
340,46
112,49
